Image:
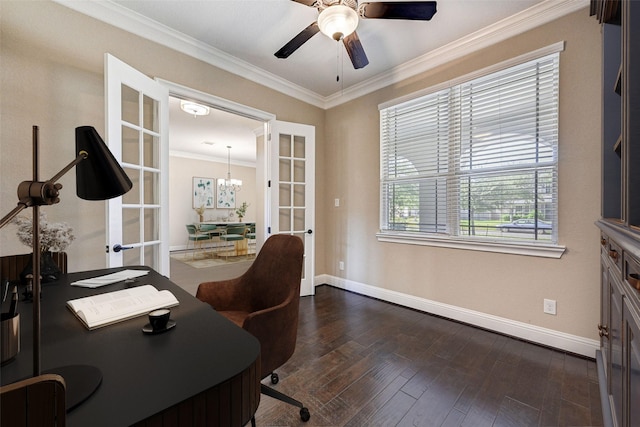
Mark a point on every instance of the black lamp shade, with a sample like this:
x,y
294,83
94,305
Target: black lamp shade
x,y
99,176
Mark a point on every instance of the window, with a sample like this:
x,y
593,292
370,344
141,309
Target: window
x,y
476,161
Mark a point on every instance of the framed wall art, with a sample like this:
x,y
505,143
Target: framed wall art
x,y
203,192
226,195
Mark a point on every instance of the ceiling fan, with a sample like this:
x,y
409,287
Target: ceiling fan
x,y
338,19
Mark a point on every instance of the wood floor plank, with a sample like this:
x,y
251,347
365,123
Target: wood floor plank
x,y
393,411
550,414
365,411
435,404
516,414
572,414
428,372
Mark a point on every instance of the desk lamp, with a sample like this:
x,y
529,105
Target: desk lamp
x,y
98,177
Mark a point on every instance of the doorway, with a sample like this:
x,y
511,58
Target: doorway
x,y
228,142
207,148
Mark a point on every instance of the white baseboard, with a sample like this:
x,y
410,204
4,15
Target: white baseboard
x,y
548,337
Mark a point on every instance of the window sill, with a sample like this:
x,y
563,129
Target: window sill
x,y
521,248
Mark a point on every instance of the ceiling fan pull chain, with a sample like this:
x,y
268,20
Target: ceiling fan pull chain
x,y
337,61
341,68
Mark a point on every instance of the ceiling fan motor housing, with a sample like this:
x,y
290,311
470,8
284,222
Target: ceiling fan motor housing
x,y
338,21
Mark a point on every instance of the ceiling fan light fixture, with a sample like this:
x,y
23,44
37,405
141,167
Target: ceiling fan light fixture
x,y
338,21
194,108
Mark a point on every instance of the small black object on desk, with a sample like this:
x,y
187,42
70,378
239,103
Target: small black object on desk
x,y
159,322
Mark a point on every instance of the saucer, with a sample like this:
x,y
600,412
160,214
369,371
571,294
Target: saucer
x,y
147,329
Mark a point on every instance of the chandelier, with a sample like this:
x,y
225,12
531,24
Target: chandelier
x,y
229,185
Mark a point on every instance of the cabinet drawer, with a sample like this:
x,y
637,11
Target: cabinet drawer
x,y
632,271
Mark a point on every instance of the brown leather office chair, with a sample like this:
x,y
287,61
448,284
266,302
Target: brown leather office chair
x,y
37,401
264,301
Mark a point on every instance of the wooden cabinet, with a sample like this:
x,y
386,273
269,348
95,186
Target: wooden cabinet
x,y
619,355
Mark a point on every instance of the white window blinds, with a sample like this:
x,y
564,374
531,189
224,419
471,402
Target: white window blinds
x,y
477,160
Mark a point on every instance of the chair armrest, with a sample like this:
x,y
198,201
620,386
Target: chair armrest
x,y
224,295
276,329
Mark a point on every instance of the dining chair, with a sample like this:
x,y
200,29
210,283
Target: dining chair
x,y
196,238
235,233
250,235
214,234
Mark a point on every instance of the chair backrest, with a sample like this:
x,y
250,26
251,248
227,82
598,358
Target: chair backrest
x,y
237,229
191,229
37,401
207,227
274,278
12,265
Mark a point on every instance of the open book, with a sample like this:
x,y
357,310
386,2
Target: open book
x,y
111,307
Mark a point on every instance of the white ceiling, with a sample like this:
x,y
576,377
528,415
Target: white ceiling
x,y
207,137
242,36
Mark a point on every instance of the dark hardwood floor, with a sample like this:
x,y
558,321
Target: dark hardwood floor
x,y
364,362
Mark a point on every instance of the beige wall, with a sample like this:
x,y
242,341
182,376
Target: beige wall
x,y
181,211
510,286
52,75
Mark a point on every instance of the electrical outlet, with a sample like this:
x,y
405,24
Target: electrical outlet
x,y
341,265
336,202
550,306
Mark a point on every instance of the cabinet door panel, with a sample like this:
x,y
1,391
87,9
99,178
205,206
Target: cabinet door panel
x,y
616,379
632,362
605,320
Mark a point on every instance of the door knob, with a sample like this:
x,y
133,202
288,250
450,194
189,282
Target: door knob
x,y
603,331
309,231
118,247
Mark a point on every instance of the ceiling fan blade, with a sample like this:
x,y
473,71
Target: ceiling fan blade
x,y
414,10
305,2
355,50
298,41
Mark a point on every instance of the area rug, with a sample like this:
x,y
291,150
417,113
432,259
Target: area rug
x,y
202,261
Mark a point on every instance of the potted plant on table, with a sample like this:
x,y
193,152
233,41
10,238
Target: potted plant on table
x,y
242,211
54,237
200,212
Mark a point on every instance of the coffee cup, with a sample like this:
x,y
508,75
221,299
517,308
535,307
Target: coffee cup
x,y
159,318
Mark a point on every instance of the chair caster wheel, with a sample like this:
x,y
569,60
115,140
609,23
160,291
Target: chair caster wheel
x,y
304,414
274,378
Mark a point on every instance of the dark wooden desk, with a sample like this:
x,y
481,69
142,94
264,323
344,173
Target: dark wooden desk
x,y
205,371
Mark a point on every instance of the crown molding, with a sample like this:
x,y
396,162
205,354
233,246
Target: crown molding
x,y
526,20
127,20
132,22
196,156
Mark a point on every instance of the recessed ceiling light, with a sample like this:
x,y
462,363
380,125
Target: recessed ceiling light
x,y
194,108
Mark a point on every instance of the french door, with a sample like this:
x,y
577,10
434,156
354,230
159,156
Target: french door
x,y
292,189
137,133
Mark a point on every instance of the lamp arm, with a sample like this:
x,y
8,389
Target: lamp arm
x,y
35,193
8,217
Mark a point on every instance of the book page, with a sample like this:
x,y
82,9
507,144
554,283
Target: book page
x,y
110,307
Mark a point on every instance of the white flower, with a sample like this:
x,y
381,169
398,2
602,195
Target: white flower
x,y
54,237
